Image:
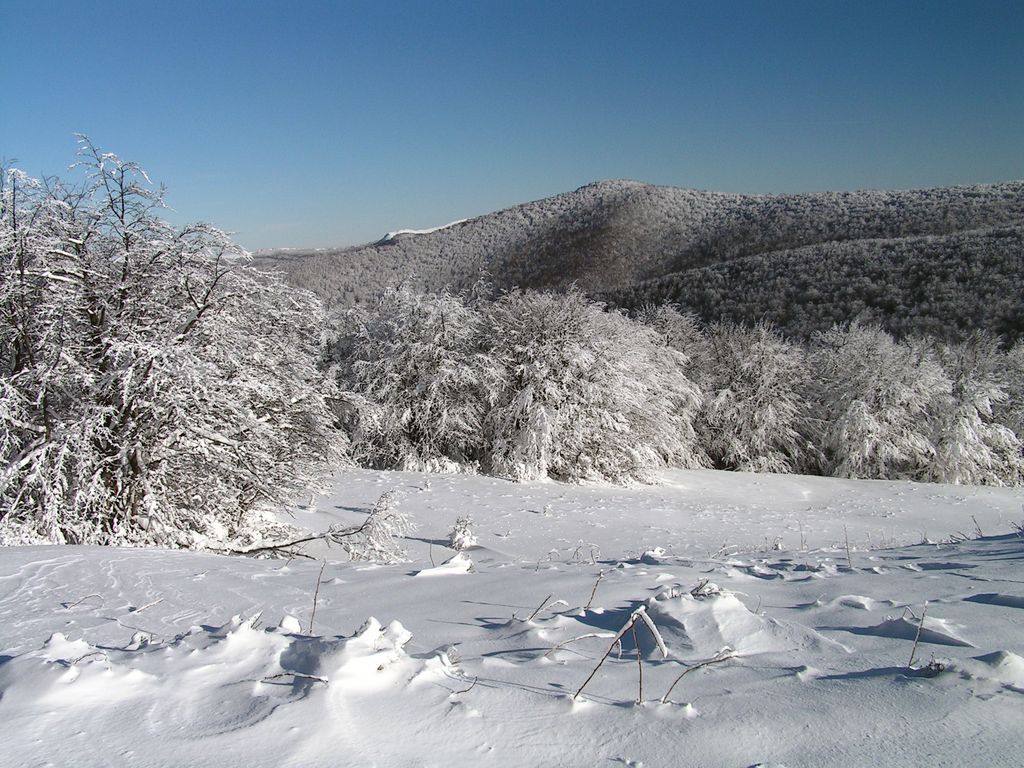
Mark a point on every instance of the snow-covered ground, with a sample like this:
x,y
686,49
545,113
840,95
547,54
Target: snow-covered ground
x,y
399,232
165,658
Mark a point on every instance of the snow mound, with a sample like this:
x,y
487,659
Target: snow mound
x,y
935,631
1002,668
210,680
705,625
857,602
655,556
460,563
996,598
860,602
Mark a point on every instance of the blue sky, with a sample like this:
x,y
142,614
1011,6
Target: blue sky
x,y
318,124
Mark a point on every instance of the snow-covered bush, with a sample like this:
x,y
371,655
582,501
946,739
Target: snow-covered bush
x,y
461,536
526,386
377,538
154,388
1011,411
678,330
535,384
755,412
588,394
972,447
873,396
418,380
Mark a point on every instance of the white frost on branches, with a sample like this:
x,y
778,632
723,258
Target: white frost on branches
x,y
532,385
874,396
377,538
755,412
972,447
461,536
537,384
589,395
418,381
154,388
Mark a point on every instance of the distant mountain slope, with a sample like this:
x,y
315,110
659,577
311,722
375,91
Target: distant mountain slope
x,y
940,285
632,242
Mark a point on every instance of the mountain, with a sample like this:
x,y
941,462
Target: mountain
x,y
941,260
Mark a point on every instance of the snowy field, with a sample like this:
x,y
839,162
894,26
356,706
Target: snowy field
x,y
805,594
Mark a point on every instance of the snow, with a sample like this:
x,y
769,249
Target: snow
x,y
399,232
154,657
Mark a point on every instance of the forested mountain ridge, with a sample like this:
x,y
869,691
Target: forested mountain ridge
x,y
722,255
939,285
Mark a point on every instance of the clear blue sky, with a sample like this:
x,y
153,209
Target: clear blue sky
x,y
317,124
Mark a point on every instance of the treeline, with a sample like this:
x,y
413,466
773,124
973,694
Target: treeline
x,y
535,384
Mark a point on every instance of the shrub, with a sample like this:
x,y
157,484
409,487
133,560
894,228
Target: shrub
x,y
588,393
419,382
755,412
972,446
873,397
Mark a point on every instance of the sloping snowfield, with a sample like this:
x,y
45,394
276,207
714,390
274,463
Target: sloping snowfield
x,y
806,596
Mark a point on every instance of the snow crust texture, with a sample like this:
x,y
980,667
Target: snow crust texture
x,y
839,624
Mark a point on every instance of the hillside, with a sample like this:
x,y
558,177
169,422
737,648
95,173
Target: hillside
x,y
631,242
935,284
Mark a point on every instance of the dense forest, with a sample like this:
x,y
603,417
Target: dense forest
x,y
944,286
937,261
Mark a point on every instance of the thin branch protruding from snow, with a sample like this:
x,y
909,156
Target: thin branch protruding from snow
x,y
724,655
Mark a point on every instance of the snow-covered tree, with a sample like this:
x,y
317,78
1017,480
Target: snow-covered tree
x,y
589,394
972,447
755,412
678,330
419,381
377,538
154,388
873,396
1011,411
461,535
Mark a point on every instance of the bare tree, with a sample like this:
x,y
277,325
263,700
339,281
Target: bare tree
x,y
154,388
